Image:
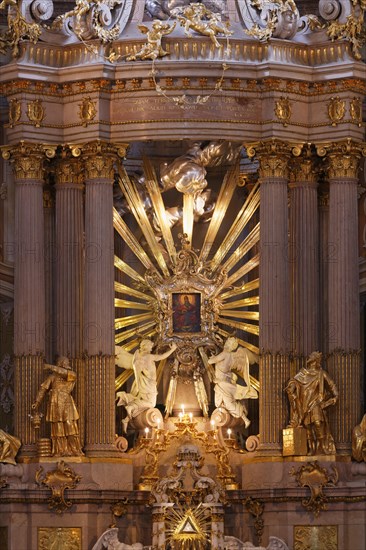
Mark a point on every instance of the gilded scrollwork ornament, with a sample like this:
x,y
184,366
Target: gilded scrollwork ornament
x,y
58,480
313,476
36,112
336,110
278,19
350,28
18,29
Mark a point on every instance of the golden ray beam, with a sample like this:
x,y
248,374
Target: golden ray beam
x,y
130,305
244,247
125,335
158,204
251,264
254,315
246,327
123,289
222,204
244,302
129,238
135,343
122,378
243,343
247,287
188,207
122,266
138,209
131,320
160,371
245,214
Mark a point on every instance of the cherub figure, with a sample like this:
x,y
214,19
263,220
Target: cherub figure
x,y
202,20
144,390
153,49
228,393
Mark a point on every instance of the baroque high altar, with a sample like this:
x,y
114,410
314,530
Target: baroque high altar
x,y
182,267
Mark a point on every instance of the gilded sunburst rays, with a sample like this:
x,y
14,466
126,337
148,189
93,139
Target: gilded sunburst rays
x,y
187,528
149,243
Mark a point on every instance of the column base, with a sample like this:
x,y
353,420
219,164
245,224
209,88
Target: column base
x,y
102,451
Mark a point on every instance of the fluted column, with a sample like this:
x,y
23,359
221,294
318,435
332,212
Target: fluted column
x,y
324,254
29,302
304,256
49,260
274,294
69,273
99,299
344,324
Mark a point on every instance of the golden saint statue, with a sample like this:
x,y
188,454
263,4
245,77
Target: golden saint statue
x,y
61,409
310,392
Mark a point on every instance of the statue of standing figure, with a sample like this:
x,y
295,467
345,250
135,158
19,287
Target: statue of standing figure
x,y
144,389
310,392
228,393
61,409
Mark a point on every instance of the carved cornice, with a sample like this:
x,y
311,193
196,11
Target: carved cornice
x,y
28,159
343,158
273,156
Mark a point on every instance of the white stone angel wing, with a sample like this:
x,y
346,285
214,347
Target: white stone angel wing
x,y
124,359
242,358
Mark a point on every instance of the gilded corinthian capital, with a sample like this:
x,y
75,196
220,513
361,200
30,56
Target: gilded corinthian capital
x,y
99,157
28,159
304,169
343,158
273,156
69,171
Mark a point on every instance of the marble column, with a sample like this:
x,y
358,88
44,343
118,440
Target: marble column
x,y
99,299
274,292
69,273
304,259
344,323
29,284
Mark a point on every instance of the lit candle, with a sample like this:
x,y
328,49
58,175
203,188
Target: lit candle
x,y
147,433
213,424
158,423
190,417
182,410
229,433
180,416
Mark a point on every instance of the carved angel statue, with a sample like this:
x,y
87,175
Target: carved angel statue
x,y
153,49
109,540
228,393
144,389
197,17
